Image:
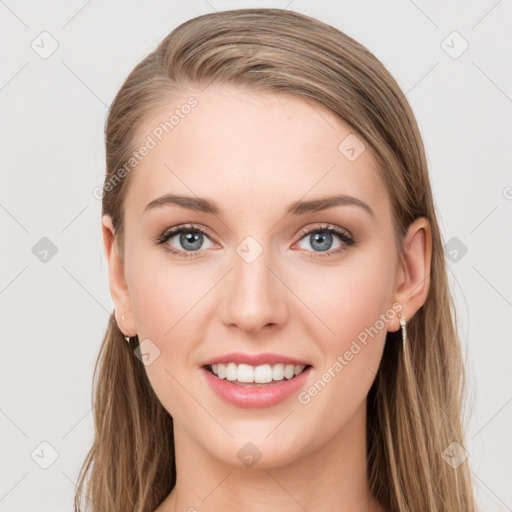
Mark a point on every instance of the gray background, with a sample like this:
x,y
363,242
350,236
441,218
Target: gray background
x,y
55,310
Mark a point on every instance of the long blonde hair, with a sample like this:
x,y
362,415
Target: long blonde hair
x,y
415,404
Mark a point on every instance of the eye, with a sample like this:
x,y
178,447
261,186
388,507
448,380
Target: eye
x,y
322,241
185,239
326,240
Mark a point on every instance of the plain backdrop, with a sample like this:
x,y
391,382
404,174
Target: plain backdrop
x,y
61,66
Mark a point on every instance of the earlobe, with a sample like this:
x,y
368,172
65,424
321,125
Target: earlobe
x,y
117,281
414,273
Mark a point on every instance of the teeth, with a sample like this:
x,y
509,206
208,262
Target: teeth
x,y
289,371
278,371
259,374
231,372
244,372
221,371
263,374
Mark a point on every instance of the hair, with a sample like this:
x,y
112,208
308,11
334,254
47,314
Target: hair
x,y
414,406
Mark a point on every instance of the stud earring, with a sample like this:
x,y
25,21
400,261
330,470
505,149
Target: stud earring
x,y
403,324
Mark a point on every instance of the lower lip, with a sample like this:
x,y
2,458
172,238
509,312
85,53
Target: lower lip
x,y
252,395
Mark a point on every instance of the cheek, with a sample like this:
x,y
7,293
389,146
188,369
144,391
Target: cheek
x,y
171,307
166,304
165,295
353,303
347,299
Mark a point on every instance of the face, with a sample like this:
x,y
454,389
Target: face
x,y
243,273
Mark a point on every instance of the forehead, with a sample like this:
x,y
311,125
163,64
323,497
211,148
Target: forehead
x,y
264,149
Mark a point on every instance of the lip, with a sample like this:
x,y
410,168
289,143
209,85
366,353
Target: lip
x,y
252,396
255,359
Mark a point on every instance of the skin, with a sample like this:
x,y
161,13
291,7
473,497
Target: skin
x,y
254,154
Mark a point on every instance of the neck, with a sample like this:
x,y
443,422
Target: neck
x,y
332,476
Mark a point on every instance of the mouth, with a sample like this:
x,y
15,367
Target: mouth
x,y
263,375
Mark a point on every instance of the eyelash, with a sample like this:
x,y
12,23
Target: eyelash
x,y
345,238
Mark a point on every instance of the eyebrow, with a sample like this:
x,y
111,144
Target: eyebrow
x,y
204,205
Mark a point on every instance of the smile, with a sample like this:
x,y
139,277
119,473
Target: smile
x,y
246,386
265,374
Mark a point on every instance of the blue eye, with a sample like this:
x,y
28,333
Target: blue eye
x,y
189,238
320,240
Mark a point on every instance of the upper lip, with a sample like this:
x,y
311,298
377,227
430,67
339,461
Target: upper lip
x,y
254,359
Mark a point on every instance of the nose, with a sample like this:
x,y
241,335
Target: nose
x,y
254,299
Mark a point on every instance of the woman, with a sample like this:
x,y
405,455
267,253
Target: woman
x,y
283,336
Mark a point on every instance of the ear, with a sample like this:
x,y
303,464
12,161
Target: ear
x,y
413,276
117,281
